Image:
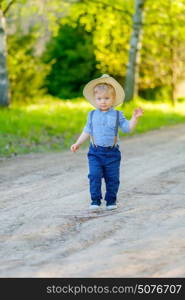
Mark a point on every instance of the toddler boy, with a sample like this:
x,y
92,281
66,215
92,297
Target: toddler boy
x,y
104,156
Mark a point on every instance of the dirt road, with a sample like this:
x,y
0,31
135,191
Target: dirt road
x,y
47,230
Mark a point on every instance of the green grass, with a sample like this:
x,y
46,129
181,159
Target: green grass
x,y
53,125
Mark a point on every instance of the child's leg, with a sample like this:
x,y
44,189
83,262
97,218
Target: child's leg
x,y
111,175
95,177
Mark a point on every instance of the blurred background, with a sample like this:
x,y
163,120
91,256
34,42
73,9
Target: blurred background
x,y
49,49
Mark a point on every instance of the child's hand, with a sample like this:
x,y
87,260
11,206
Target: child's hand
x,y
138,112
74,147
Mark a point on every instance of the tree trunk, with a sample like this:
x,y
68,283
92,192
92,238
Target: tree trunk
x,y
135,45
4,84
173,73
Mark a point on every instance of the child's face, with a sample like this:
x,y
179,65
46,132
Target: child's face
x,y
104,100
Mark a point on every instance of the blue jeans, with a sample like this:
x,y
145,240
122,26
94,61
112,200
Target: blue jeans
x,y
104,162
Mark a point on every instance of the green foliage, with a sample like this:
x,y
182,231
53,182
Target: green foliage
x,y
72,60
163,44
26,71
99,33
7,3
110,25
28,25
161,93
162,57
93,39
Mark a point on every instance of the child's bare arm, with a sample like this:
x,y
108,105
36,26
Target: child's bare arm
x,y
138,112
82,138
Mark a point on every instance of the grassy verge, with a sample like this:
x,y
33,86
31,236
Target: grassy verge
x,y
53,125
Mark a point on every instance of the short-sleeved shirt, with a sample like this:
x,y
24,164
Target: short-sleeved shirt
x,y
104,125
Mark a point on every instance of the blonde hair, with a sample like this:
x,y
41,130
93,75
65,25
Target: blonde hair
x,y
105,87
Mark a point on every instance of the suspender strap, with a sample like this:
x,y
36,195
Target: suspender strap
x,y
116,129
91,116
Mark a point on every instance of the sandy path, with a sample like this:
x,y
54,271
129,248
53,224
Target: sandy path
x,y
47,231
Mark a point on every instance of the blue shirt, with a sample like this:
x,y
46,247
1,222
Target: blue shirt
x,y
104,125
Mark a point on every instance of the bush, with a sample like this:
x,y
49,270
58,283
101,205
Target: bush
x,y
26,70
162,93
72,60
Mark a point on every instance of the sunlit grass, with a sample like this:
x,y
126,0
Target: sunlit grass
x,y
163,107
50,124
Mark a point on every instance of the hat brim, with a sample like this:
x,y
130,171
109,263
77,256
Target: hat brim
x,y
88,90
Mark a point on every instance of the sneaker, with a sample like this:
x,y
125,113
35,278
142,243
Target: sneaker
x,y
94,207
113,206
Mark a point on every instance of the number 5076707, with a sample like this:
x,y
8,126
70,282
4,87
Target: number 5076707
x,y
158,288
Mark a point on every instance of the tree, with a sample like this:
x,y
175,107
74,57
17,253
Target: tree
x,y
109,22
5,6
4,83
72,60
162,61
135,45
43,12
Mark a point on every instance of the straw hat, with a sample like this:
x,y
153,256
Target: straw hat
x,y
88,90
